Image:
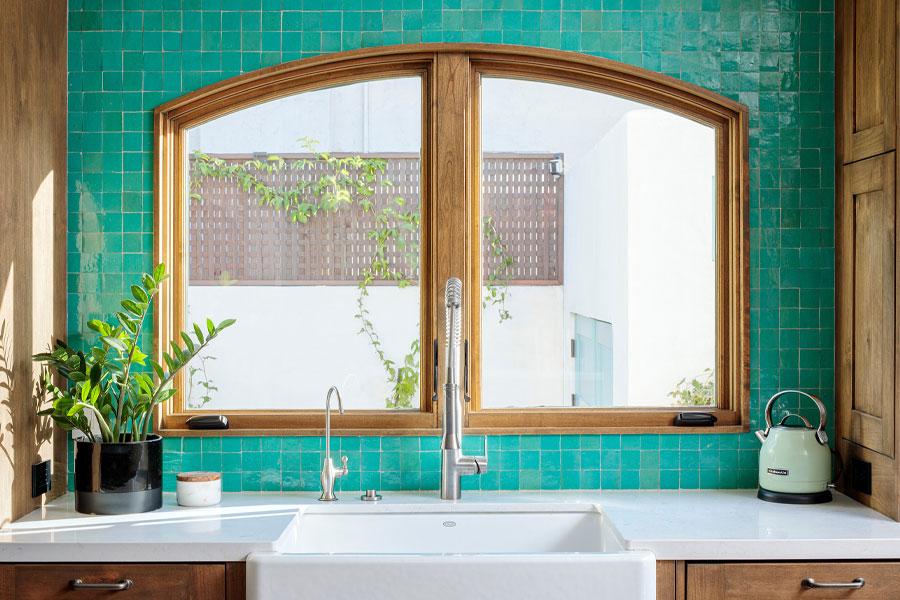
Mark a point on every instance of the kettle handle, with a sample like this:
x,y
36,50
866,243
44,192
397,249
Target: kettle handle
x,y
821,436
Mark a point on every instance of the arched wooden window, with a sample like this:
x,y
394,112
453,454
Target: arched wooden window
x,y
596,213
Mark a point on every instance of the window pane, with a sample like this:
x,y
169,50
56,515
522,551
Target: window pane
x,y
303,224
598,250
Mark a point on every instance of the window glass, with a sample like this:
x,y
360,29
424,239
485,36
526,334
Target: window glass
x,y
303,224
598,250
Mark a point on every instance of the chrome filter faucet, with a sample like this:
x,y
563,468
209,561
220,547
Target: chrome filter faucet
x,y
330,473
453,462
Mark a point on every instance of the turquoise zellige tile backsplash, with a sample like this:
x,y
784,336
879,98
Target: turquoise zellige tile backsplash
x,y
776,56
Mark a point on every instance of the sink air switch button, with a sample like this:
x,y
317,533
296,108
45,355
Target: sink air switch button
x,y
371,496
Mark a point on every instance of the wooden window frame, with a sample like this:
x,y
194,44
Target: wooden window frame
x,y
449,195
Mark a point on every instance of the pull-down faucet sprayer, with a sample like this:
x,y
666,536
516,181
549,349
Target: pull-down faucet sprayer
x,y
453,462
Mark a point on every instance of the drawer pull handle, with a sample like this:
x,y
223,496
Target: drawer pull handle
x,y
121,586
857,583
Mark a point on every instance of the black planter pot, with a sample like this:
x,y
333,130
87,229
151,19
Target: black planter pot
x,y
118,478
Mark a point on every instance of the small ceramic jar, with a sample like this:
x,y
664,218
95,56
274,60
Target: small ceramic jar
x,y
198,488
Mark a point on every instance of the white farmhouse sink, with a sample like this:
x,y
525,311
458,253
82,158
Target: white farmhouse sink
x,y
471,552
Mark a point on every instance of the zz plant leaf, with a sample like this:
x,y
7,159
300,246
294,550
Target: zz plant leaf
x,y
109,388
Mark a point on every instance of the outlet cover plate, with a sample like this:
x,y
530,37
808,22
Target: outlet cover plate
x,y
41,478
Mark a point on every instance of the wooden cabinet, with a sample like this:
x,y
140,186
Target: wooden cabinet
x,y
867,55
856,580
148,581
793,581
868,253
667,578
867,332
867,369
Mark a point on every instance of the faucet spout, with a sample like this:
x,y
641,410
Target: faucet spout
x,y
330,473
454,463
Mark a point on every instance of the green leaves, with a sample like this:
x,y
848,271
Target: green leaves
x,y
159,273
115,342
188,342
497,278
329,184
107,381
699,391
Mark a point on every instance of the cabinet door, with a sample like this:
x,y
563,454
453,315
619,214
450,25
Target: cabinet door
x,y
790,581
867,47
148,581
867,221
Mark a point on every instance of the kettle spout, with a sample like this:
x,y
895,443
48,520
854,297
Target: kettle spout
x,y
762,435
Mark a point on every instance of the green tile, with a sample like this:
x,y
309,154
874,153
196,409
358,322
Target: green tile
x,y
211,444
530,459
630,479
251,461
509,480
250,481
191,444
778,58
529,480
251,444
231,463
610,480
231,482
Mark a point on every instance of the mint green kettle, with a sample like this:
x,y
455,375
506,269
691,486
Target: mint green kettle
x,y
795,460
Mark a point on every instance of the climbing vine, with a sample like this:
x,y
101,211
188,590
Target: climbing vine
x,y
348,180
497,286
199,380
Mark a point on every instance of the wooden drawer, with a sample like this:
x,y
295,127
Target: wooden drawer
x,y
157,581
784,581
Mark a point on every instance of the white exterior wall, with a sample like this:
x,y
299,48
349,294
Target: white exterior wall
x,y
596,280
671,295
392,109
310,335
311,330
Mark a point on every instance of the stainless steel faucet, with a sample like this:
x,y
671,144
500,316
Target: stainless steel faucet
x,y
453,462
330,473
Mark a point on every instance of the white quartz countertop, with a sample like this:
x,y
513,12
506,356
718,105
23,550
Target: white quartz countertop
x,y
674,525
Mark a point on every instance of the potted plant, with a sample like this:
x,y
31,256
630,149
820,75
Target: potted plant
x,y
109,395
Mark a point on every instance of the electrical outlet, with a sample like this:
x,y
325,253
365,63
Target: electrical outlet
x,y
40,478
861,476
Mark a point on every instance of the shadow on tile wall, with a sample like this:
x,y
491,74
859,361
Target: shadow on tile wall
x,y
775,56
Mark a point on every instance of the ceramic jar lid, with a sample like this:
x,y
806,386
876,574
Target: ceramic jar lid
x,y
197,476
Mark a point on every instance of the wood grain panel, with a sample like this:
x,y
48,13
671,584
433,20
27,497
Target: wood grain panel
x,y
783,581
665,580
32,237
151,581
452,190
867,85
868,253
874,244
7,580
235,581
883,483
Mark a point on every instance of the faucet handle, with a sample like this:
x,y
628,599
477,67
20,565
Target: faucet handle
x,y
481,462
344,470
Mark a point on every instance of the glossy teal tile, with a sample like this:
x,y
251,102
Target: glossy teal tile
x,y
778,58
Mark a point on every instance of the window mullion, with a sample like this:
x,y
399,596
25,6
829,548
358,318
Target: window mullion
x,y
452,189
